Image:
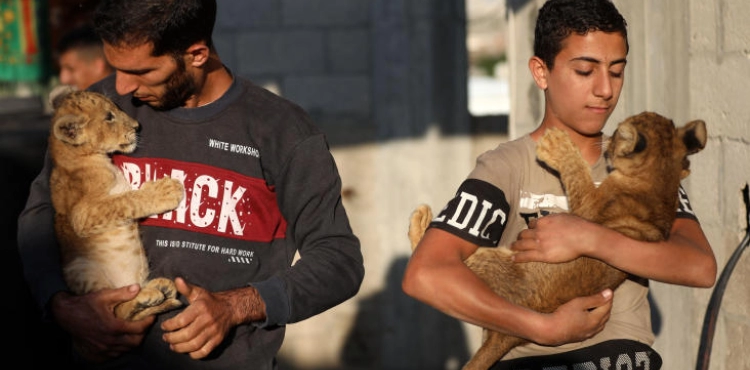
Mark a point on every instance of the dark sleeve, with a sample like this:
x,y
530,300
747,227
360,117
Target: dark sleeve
x,y
37,245
330,269
684,210
478,213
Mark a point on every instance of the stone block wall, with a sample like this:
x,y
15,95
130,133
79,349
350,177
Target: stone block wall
x,y
719,62
316,53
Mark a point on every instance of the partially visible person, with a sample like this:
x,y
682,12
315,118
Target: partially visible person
x,y
81,58
580,54
261,187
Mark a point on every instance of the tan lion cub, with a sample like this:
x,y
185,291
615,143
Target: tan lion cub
x,y
96,211
639,198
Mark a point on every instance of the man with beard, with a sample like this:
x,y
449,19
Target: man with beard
x,y
260,186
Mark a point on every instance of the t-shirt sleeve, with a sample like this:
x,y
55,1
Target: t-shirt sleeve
x,y
684,210
478,213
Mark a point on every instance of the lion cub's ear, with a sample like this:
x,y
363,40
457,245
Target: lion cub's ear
x,y
69,128
59,94
694,136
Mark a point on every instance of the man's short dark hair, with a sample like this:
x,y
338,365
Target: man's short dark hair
x,y
83,37
558,19
171,26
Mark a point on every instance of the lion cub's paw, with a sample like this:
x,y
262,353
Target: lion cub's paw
x,y
165,193
554,147
418,223
157,296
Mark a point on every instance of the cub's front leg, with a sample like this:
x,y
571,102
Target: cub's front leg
x,y
154,197
558,152
159,196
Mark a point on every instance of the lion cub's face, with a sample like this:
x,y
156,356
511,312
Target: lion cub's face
x,y
650,141
90,122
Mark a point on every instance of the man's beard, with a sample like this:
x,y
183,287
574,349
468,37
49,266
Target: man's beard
x,y
177,89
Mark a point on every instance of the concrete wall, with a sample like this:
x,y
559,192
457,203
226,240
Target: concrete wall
x,y
718,50
688,60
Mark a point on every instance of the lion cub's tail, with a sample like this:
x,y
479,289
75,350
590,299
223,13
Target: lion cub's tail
x,y
420,219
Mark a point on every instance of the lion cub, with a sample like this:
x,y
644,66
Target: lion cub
x,y
639,198
96,211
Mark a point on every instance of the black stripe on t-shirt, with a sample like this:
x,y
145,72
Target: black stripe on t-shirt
x,y
478,213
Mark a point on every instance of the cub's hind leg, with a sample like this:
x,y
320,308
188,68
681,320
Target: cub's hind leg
x,y
495,346
418,223
156,296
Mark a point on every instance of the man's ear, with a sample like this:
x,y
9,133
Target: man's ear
x,y
539,71
198,54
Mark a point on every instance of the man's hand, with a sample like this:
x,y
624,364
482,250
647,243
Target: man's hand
x,y
556,238
204,324
97,334
577,320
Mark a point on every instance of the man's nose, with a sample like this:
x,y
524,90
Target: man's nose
x,y
603,87
125,84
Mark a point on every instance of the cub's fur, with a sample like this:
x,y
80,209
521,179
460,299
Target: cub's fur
x,y
648,158
96,211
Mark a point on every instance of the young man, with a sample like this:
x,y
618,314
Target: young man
x,y
260,186
579,60
81,58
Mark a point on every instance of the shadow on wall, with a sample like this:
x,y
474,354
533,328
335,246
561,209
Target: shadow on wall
x,y
394,331
655,314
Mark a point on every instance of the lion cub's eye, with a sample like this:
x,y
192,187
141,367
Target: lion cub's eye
x,y
110,116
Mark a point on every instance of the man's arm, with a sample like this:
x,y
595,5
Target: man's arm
x,y
437,275
330,269
37,246
686,258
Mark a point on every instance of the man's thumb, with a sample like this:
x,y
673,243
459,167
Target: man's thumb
x,y
601,299
182,286
598,300
127,292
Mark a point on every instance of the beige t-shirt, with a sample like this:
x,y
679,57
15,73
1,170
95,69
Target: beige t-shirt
x,y
513,188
